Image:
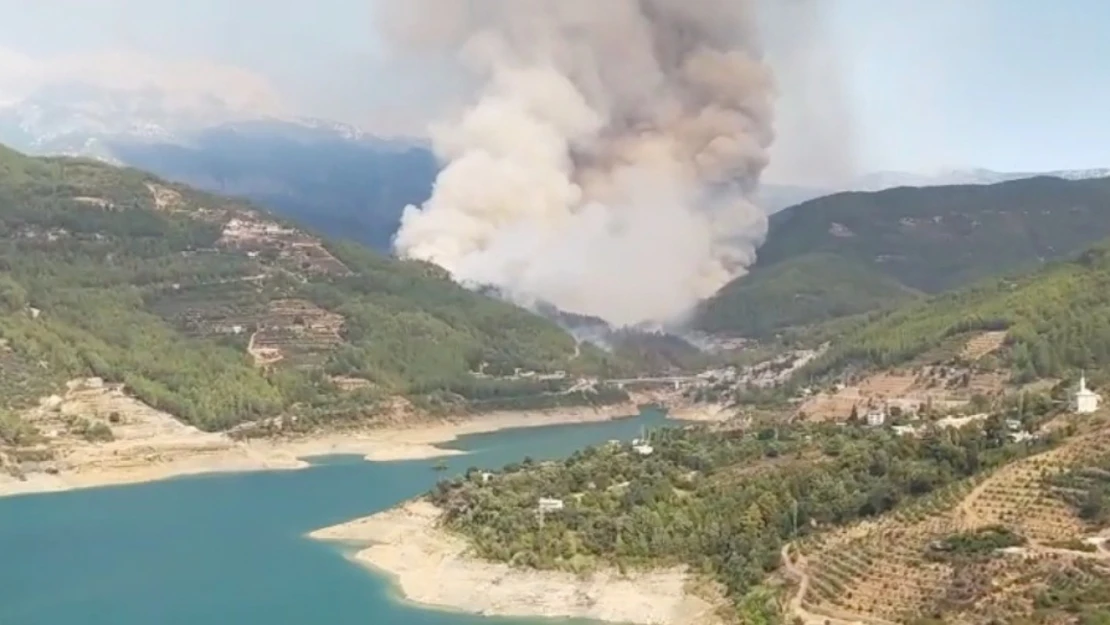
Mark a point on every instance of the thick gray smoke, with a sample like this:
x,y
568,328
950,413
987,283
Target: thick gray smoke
x,y
608,158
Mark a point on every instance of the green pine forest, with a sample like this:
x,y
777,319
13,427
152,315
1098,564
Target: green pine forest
x,y
1057,322
98,281
854,253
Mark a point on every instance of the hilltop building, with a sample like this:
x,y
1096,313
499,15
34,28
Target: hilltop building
x,y
1086,401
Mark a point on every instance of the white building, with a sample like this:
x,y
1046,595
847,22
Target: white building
x,y
643,449
550,504
876,417
1086,401
904,430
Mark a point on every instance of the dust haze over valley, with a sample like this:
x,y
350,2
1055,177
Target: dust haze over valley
x,y
606,158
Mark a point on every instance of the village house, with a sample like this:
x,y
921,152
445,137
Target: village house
x,y
547,504
876,417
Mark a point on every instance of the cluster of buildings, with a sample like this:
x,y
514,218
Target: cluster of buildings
x,y
1083,401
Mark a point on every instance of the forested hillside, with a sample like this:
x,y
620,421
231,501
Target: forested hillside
x,y
722,503
217,313
1056,319
800,291
856,252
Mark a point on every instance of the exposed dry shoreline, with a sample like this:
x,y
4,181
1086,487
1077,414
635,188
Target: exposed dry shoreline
x,y
703,413
151,445
431,567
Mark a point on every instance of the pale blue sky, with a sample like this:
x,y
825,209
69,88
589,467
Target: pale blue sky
x,y
1004,84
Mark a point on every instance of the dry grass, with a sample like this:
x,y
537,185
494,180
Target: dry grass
x,y
983,344
165,198
295,329
927,383
141,434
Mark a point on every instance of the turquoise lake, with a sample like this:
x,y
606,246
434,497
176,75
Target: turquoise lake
x,y
230,549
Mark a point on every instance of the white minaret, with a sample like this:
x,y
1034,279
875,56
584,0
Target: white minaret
x,y
1086,400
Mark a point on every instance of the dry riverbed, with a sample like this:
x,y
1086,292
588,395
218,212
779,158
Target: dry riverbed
x,y
432,567
151,445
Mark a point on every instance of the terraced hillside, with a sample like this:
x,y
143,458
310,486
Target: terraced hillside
x,y
856,252
219,314
959,374
997,548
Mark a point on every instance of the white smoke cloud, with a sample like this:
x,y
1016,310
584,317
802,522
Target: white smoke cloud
x,y
815,126
607,161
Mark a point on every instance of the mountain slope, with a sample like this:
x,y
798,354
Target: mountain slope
x,y
726,504
330,176
1056,319
797,291
211,310
928,240
346,187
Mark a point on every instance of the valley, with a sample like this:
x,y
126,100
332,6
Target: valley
x,y
881,427
564,312
228,320
151,330
921,459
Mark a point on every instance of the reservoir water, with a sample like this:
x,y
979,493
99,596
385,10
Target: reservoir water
x,y
230,549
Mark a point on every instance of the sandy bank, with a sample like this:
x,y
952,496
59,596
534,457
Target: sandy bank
x,y
422,440
431,567
701,413
151,445
145,465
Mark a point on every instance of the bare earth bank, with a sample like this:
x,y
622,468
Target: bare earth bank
x,y
151,445
432,568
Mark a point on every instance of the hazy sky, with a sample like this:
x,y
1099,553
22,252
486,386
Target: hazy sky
x,y
1004,84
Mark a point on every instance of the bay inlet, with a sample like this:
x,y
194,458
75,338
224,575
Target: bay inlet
x,y
232,549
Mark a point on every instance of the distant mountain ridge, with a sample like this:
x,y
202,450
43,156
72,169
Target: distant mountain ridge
x,y
879,181
345,182
80,119
329,176
353,189
227,151
854,252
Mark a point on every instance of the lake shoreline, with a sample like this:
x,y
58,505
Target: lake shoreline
x,y
432,568
189,453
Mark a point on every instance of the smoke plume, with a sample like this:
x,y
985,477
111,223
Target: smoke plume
x,y
608,157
